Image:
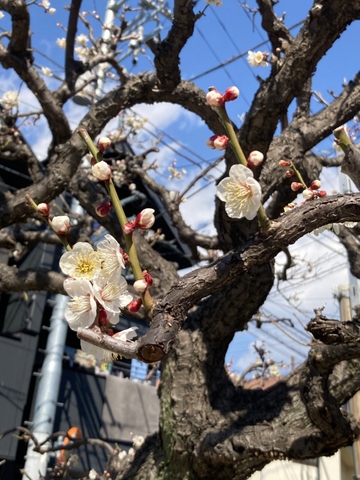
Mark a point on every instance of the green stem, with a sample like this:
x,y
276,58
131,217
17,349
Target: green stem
x,y
240,156
298,174
130,246
342,138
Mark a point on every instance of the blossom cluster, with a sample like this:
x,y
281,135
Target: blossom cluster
x,y
216,99
96,288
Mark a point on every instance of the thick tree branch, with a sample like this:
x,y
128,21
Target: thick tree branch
x,y
14,280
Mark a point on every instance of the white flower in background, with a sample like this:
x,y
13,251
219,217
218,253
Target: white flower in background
x,y
1,15
257,59
10,99
138,440
217,3
334,227
82,262
81,39
102,354
93,475
81,310
240,192
45,3
112,295
47,71
112,261
83,52
52,11
122,455
61,42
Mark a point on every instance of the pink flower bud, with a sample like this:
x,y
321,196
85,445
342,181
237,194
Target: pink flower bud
x,y
61,224
289,173
135,305
129,227
295,186
315,185
145,219
43,209
230,94
255,158
210,142
103,208
214,98
101,171
221,142
148,278
321,193
308,194
284,163
104,143
140,285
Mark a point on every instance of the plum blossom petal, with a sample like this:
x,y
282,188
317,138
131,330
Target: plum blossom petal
x,y
240,192
112,260
81,310
112,295
81,262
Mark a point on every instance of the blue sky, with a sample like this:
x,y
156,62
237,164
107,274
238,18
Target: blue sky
x,y
221,34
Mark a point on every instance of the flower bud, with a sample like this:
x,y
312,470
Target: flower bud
x,y
289,173
210,142
308,194
220,142
255,158
321,193
214,98
135,305
104,143
315,185
230,94
43,209
145,219
103,209
295,186
101,171
148,278
140,285
284,163
129,227
61,224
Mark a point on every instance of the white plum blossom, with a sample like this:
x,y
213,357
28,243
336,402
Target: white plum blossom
x,y
61,42
257,59
240,192
112,260
10,99
81,39
52,11
82,262
81,310
100,353
61,224
217,3
47,71
112,295
45,3
138,440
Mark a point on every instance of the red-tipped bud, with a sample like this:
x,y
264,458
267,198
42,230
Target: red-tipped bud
x,y
308,194
315,185
321,193
124,255
255,158
230,94
43,209
214,98
284,163
101,171
129,227
148,278
135,305
145,219
289,173
104,143
61,224
218,142
92,161
103,208
295,186
103,319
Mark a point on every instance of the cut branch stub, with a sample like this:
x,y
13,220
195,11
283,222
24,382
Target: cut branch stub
x,y
158,341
